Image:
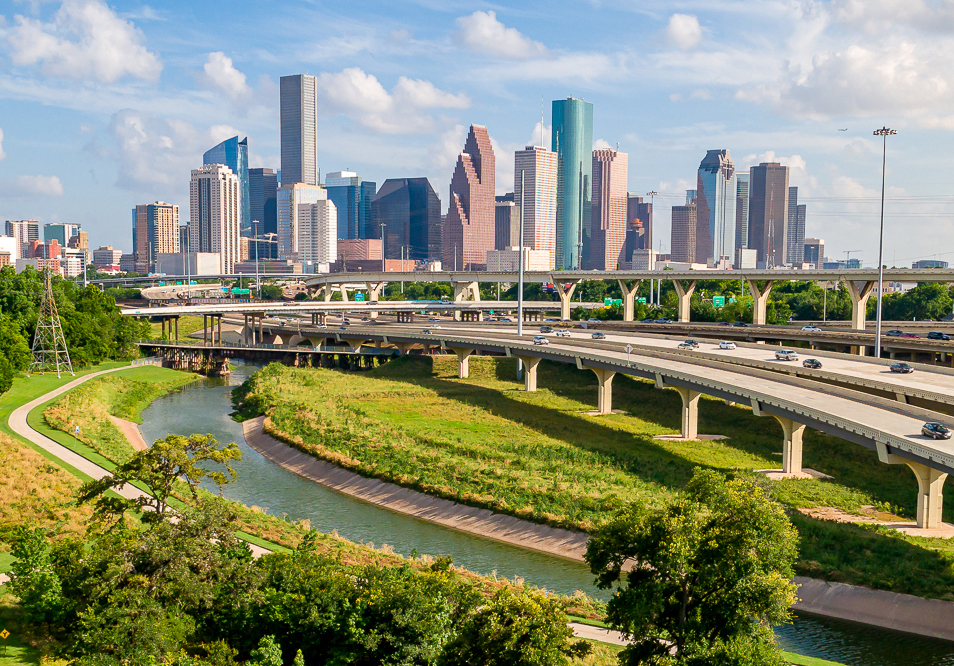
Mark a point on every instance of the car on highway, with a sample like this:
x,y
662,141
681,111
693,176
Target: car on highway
x,y
812,364
434,319
903,368
724,323
811,329
445,301
562,333
937,335
551,319
426,331
321,325
599,336
740,324
648,320
546,329
727,344
894,333
786,355
691,343
365,318
593,321
686,345
435,326
909,335
342,328
540,340
664,320
935,430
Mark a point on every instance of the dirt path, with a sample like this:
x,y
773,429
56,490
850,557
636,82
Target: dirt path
x,y
483,522
131,431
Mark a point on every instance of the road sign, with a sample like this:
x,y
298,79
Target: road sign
x,y
641,299
718,301
359,297
608,302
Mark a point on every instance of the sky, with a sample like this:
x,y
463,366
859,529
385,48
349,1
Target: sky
x,y
104,106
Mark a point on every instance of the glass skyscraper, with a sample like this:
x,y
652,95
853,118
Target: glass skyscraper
x,y
299,129
410,211
715,203
573,143
741,211
263,188
352,197
234,154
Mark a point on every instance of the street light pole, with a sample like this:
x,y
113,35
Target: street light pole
x,y
520,259
384,266
884,132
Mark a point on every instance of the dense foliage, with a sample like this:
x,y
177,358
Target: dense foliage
x,y
94,328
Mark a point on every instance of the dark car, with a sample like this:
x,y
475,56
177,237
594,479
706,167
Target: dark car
x,y
664,320
909,335
724,323
812,363
894,333
903,368
691,343
935,430
740,324
937,335
546,329
648,320
599,336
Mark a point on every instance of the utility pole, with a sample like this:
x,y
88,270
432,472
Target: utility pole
x,y
384,267
884,133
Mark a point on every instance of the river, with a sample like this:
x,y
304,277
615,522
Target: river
x,y
204,407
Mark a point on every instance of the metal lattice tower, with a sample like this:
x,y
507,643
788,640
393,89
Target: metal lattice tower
x,y
49,344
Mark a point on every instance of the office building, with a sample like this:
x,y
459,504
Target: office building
x,y
639,224
741,211
234,154
72,261
814,251
25,231
795,249
536,198
644,259
80,241
929,263
155,230
352,198
184,238
289,198
508,260
10,246
190,263
469,227
715,208
608,217
682,243
573,143
768,213
840,264
745,258
263,247
106,256
263,201
317,235
506,222
61,232
214,214
410,211
299,129
360,249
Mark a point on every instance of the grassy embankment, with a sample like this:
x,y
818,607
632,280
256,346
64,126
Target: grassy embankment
x,y
187,324
483,441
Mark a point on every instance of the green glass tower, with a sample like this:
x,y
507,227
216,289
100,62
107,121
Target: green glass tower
x,y
573,144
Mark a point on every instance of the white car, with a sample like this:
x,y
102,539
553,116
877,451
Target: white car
x,y
435,326
540,340
786,355
726,344
321,325
563,333
811,329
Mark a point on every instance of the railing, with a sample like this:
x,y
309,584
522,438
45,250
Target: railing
x,y
151,360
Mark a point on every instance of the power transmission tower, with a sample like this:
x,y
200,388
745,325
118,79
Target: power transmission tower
x,y
49,344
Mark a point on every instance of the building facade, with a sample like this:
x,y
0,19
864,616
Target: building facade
x,y
715,208
352,197
234,154
814,251
506,222
61,232
741,211
410,212
682,243
317,235
508,260
536,197
155,230
639,225
795,248
470,224
572,141
25,231
768,213
263,201
289,198
929,263
608,216
106,256
299,129
214,214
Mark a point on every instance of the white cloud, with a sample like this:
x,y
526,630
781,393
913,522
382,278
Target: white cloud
x,y
535,136
482,32
683,31
3,155
797,168
220,72
702,93
602,144
443,154
26,186
85,39
362,97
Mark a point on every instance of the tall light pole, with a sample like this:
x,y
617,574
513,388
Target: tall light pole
x,y
258,280
384,266
648,234
523,174
884,132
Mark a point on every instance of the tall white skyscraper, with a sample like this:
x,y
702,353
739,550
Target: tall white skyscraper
x,y
25,231
299,129
318,233
716,199
290,198
538,167
214,214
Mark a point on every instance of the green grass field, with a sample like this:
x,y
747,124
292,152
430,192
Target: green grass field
x,y
187,324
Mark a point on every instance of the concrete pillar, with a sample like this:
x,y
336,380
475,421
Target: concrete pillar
x,y
404,347
690,412
860,292
629,298
261,329
344,293
930,495
530,364
760,301
205,330
220,329
245,330
463,361
565,293
177,329
791,445
374,294
463,290
604,396
327,292
685,296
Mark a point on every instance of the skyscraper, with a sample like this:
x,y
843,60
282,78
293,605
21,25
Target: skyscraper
x,y
299,121
639,223
741,211
469,227
537,199
234,154
682,243
263,200
715,208
768,213
155,230
410,211
317,233
608,217
795,249
214,214
352,197
506,222
25,231
573,144
814,249
61,232
290,198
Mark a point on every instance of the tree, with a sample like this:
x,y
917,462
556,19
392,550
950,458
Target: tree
x,y
268,653
517,628
710,573
160,468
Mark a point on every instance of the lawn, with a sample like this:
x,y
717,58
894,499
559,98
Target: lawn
x,y
187,324
484,441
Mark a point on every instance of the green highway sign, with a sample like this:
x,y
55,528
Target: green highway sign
x,y
241,292
359,297
718,301
607,302
641,299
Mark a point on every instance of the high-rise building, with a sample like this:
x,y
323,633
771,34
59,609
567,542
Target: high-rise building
x,y
317,234
155,230
352,197
289,200
234,154
25,231
214,214
929,263
795,250
537,197
768,213
61,232
469,227
299,129
608,217
573,143
814,251
184,238
410,211
741,211
106,256
715,208
682,244
506,222
263,201
639,224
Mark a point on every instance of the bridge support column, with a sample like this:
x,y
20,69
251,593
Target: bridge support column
x,y
685,297
220,329
463,361
403,347
604,396
530,364
374,295
791,445
465,291
930,487
327,292
565,292
760,301
629,298
860,292
177,328
690,412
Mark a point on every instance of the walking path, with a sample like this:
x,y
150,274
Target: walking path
x,y
131,431
483,522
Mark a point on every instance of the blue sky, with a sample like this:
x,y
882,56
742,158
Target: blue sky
x,y
103,106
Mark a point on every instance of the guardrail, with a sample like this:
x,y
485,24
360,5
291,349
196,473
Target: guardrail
x,y
151,360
